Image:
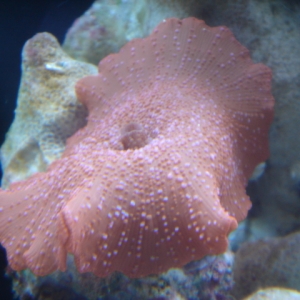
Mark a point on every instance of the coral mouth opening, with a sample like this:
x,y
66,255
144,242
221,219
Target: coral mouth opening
x,y
133,136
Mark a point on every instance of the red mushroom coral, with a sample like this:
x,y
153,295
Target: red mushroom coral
x,y
177,122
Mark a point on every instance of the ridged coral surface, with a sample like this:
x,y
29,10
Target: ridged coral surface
x,y
177,122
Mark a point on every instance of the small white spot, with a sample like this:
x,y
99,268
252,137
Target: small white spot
x,y
170,176
125,213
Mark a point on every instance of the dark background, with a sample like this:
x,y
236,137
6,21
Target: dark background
x,y
19,21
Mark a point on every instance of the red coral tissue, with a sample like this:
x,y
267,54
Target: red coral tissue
x,y
177,122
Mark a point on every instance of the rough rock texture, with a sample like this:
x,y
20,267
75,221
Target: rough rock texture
x,y
267,263
109,24
177,123
48,111
207,279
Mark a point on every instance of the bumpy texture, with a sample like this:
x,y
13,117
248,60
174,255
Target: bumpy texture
x,y
177,122
269,263
213,274
270,30
48,111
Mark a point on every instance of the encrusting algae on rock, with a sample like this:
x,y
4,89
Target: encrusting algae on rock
x,y
177,122
48,111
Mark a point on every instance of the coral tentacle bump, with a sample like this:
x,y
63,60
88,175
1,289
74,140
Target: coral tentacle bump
x,y
177,123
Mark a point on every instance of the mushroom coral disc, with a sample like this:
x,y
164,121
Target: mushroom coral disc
x,y
177,122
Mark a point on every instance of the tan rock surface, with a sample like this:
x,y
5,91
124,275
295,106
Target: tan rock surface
x,y
47,112
274,294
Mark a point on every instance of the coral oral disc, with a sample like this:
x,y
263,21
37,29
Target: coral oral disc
x,y
177,123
